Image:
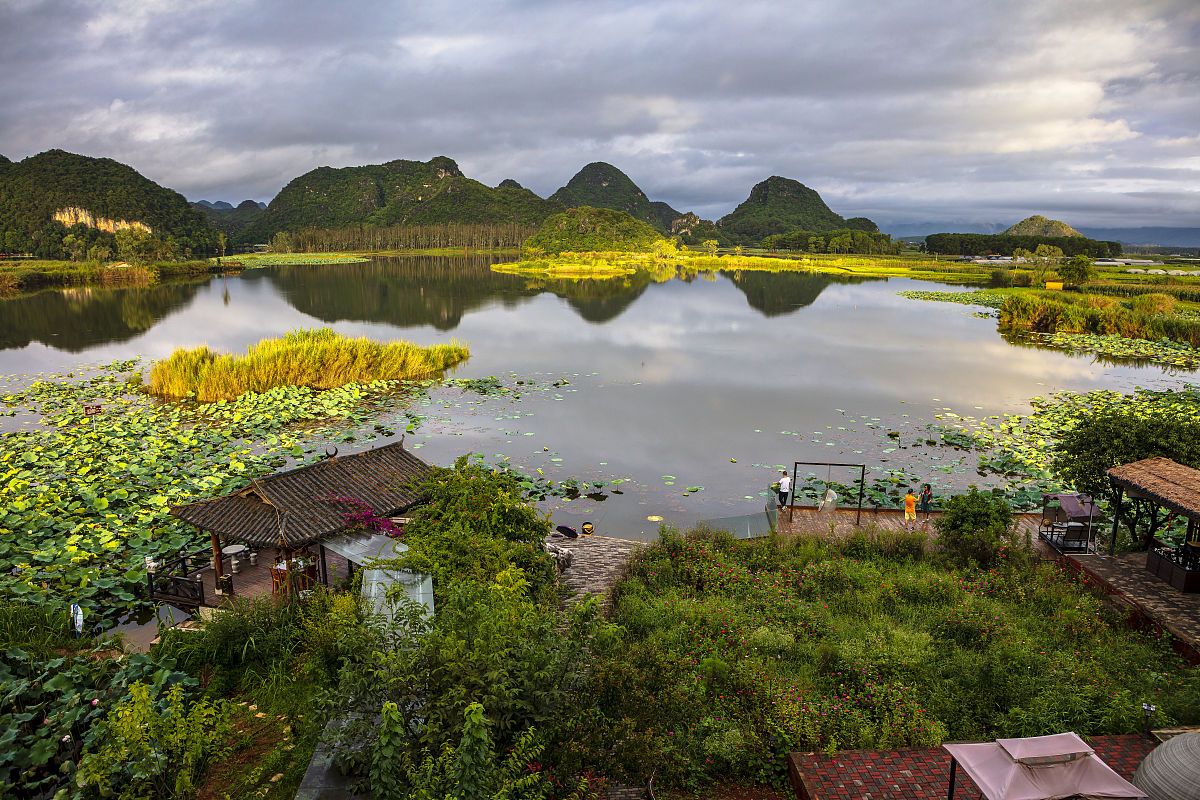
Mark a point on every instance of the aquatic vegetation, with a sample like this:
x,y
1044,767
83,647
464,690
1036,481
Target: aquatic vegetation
x,y
664,264
976,298
318,358
83,499
256,260
1120,349
1021,444
596,266
27,276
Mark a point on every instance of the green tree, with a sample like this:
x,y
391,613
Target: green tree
x,y
976,528
137,245
222,241
1104,439
281,242
99,253
75,247
471,771
710,246
665,249
145,751
1048,253
1077,270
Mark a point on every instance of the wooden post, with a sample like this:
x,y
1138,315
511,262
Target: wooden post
x,y
953,765
1112,539
324,567
216,551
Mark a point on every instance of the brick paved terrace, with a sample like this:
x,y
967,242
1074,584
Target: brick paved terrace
x,y
922,773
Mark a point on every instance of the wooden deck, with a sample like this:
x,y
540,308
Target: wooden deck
x,y
1152,602
807,519
256,581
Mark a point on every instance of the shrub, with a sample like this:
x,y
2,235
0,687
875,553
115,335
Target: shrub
x,y
976,528
150,752
1153,303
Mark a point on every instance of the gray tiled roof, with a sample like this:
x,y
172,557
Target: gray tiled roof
x,y
295,508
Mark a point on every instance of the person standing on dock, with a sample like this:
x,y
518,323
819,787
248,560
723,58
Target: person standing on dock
x,y
785,488
925,503
910,510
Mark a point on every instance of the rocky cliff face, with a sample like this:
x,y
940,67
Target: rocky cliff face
x,y
80,216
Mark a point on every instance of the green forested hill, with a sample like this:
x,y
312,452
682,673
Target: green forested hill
x,y
588,229
398,192
779,205
1037,225
97,190
602,185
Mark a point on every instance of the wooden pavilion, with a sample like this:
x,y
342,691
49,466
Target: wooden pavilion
x,y
1159,490
271,536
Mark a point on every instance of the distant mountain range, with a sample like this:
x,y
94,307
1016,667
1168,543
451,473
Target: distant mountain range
x,y
62,189
1159,236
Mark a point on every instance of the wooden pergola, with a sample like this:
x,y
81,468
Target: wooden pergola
x,y
1158,489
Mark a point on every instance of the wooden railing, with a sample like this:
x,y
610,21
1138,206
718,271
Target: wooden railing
x,y
178,581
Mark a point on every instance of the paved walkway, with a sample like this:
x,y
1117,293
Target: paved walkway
x,y
596,562
921,773
1154,601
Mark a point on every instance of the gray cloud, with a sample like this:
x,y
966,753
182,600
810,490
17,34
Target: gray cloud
x,y
905,111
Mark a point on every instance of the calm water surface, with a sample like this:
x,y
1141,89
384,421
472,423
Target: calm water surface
x,y
712,381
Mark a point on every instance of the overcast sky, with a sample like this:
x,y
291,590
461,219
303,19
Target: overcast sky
x,y
901,111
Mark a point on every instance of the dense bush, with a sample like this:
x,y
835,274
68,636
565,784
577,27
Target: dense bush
x,y
147,752
977,528
733,653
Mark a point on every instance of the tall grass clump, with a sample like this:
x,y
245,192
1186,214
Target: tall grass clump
x,y
320,359
1149,320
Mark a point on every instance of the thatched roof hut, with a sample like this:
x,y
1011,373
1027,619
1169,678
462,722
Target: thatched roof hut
x,y
1163,482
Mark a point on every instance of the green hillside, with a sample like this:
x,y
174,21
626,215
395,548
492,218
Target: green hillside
x,y
692,230
92,197
398,192
231,220
587,229
602,185
779,205
1037,225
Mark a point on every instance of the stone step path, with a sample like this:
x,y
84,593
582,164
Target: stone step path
x,y
596,562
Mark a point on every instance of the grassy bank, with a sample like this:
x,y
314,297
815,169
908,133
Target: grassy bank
x,y
28,276
319,359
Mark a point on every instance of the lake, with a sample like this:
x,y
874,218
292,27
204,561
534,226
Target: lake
x,y
708,382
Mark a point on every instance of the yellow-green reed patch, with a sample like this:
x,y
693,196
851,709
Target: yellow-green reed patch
x,y
318,358
687,263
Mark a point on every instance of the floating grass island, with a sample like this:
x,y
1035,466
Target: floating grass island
x,y
320,359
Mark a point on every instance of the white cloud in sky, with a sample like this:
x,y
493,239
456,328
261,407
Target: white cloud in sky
x,y
905,111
